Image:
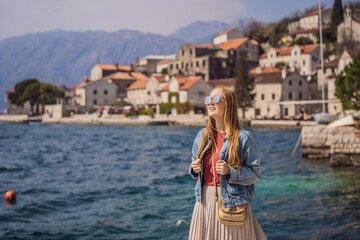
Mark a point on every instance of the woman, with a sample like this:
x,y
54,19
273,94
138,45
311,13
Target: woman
x,y
237,167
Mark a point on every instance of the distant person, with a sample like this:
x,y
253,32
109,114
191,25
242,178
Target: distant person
x,y
168,113
237,169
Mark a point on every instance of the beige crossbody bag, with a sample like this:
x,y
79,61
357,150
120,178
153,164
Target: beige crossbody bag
x,y
235,216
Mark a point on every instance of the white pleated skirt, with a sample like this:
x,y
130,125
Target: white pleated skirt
x,y
205,226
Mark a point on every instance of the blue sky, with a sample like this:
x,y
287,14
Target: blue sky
x,y
18,17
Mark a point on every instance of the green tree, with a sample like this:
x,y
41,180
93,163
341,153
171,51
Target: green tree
x,y
48,94
348,85
244,85
17,96
164,71
32,93
337,14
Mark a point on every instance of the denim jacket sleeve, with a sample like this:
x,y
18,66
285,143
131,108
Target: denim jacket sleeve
x,y
194,151
250,171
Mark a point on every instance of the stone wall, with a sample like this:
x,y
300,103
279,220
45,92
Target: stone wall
x,y
338,144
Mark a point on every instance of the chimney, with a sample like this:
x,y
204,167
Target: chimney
x,y
283,73
117,66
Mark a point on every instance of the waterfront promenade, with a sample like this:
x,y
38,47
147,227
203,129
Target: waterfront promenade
x,y
172,120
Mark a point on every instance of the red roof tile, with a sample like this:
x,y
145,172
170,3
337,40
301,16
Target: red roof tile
x,y
274,77
189,82
10,90
287,50
184,83
264,70
139,84
114,67
206,45
139,75
120,76
316,12
165,61
235,43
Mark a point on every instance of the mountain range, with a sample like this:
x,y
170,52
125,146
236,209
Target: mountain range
x,y
66,57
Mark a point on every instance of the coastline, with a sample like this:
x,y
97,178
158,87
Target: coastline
x,y
197,120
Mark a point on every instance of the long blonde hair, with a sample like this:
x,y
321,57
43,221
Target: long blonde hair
x,y
232,128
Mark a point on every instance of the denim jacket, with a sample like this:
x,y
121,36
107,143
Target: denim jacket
x,y
238,186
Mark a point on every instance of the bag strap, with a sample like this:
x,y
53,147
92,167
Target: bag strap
x,y
212,163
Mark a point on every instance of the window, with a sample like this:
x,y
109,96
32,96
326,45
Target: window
x,y
171,66
290,95
204,63
262,96
177,66
95,102
182,65
192,65
190,51
290,82
197,63
183,52
304,62
95,91
273,96
300,82
300,95
105,92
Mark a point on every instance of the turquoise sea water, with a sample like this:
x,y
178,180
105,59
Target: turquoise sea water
x,y
113,182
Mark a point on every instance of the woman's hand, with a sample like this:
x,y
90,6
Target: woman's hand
x,y
222,167
196,165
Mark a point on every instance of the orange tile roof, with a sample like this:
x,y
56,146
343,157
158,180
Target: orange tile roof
x,y
113,67
287,50
139,75
206,45
316,12
10,90
265,70
189,82
226,31
235,43
274,77
120,76
254,42
184,83
138,84
165,61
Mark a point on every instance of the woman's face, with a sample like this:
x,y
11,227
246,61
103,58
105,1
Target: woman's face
x,y
216,110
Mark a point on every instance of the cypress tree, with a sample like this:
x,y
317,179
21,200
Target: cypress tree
x,y
337,14
244,85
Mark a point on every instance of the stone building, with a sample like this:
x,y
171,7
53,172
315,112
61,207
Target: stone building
x,y
308,25
190,90
230,34
144,93
303,58
97,92
148,64
213,61
12,108
349,29
278,93
100,70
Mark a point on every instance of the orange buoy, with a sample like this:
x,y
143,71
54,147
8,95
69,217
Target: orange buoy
x,y
10,196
